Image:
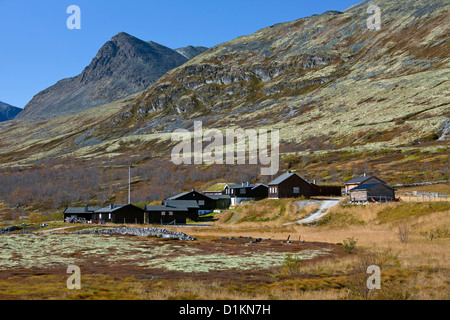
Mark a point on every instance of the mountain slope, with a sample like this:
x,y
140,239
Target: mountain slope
x,y
8,112
123,66
326,75
327,82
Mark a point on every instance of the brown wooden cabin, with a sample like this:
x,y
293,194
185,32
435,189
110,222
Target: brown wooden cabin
x,y
374,192
289,185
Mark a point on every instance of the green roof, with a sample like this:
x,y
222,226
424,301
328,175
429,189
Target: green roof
x,y
217,187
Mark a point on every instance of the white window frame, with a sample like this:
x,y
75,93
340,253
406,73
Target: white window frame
x,y
296,190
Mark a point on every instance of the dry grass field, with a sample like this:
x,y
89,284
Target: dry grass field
x,y
328,259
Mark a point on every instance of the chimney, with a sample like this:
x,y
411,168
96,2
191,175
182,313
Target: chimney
x,y
289,171
111,206
242,183
86,208
248,183
365,174
315,181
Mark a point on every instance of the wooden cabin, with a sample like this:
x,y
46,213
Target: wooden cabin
x,y
289,185
353,183
247,191
205,203
86,212
120,213
374,192
166,214
191,205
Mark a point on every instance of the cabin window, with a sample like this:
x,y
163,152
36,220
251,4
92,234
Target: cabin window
x,y
243,191
170,213
296,190
100,216
109,216
201,202
163,213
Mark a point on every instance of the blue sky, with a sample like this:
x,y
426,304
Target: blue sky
x,y
37,49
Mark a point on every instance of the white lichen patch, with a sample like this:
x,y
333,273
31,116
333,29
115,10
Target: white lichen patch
x,y
53,250
222,261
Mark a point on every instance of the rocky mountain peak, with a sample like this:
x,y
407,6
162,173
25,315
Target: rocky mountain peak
x,y
123,66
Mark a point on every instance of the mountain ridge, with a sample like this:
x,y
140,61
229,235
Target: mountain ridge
x,y
122,66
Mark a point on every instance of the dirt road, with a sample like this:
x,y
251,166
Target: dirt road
x,y
324,207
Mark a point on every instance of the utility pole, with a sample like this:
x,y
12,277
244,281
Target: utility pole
x,y
129,185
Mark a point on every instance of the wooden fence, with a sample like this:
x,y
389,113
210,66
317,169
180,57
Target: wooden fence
x,y
419,196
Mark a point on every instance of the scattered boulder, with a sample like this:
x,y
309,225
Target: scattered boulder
x,y
143,232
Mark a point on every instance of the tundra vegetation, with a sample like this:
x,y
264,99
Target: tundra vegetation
x,y
316,262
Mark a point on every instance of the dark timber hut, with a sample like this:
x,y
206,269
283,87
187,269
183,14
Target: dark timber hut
x,y
166,214
191,205
289,185
121,213
205,203
86,212
247,191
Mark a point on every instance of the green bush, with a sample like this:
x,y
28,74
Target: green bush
x,y
292,264
349,244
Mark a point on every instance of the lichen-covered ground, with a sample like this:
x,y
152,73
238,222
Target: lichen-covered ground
x,y
34,266
47,251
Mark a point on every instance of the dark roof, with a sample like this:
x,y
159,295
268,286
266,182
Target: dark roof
x,y
219,197
175,197
367,186
153,208
179,195
113,207
361,180
283,177
239,186
259,185
79,210
186,203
